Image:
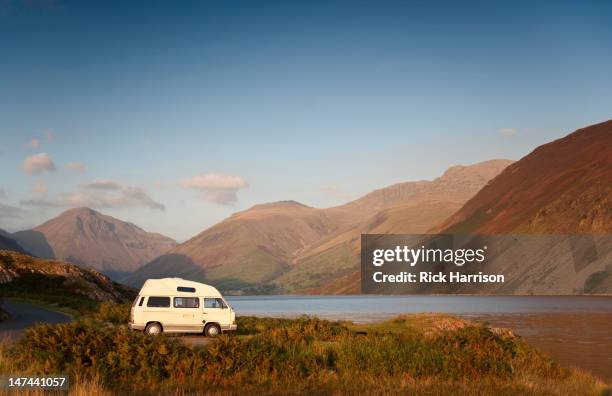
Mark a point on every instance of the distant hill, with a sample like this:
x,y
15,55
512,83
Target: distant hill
x,y
249,248
7,242
289,246
563,187
56,282
88,238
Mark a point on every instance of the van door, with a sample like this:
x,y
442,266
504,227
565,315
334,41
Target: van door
x,y
215,310
157,309
187,316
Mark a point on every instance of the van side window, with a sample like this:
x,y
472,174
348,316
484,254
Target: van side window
x,y
141,301
186,302
214,303
158,302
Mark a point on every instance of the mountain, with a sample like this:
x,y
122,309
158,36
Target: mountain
x,y
331,265
563,187
249,248
288,246
558,197
57,282
7,242
91,239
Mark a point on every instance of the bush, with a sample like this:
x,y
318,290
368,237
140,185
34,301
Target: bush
x,y
109,311
305,354
87,348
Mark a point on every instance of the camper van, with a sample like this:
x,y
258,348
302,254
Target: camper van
x,y
175,305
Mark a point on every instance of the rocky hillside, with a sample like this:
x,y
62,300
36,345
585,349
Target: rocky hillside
x,y
53,281
563,187
88,238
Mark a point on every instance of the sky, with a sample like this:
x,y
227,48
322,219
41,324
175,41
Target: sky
x,y
174,115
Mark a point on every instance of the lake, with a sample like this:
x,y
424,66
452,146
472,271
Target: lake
x,y
575,330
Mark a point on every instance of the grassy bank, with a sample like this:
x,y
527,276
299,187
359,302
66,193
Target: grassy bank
x,y
422,354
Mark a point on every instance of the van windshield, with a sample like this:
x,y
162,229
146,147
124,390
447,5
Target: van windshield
x,y
214,303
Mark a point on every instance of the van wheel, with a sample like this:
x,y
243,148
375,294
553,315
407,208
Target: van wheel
x,y
212,330
153,329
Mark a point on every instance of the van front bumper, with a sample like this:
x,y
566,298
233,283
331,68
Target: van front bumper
x,y
231,327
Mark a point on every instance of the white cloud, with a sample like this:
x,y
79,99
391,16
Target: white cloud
x,y
217,188
508,131
75,166
37,163
100,194
213,182
40,188
34,143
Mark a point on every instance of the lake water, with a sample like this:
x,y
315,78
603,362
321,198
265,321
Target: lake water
x,y
374,308
574,330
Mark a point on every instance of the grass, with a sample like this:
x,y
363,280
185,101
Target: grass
x,y
316,270
413,354
49,291
258,267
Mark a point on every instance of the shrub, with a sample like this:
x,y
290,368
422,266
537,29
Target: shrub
x,y
306,354
109,311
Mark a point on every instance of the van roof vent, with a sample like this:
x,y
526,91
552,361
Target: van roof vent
x,y
186,289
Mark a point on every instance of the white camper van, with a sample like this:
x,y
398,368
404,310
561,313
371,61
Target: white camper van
x,y
175,305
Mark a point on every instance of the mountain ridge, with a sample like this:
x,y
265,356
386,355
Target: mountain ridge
x,y
266,243
564,186
89,238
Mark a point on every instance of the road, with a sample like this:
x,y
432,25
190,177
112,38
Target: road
x,y
24,315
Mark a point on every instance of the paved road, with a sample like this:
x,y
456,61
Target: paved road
x,y
24,315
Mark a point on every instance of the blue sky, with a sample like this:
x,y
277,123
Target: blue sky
x,y
173,115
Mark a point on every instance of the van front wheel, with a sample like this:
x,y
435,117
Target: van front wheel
x,y
212,330
153,329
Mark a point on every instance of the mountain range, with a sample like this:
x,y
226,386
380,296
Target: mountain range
x,y
88,238
562,187
290,247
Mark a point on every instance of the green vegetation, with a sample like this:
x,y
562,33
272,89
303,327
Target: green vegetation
x,y
48,290
113,313
57,285
258,266
318,269
303,356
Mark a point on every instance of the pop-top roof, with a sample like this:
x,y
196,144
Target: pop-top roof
x,y
177,287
